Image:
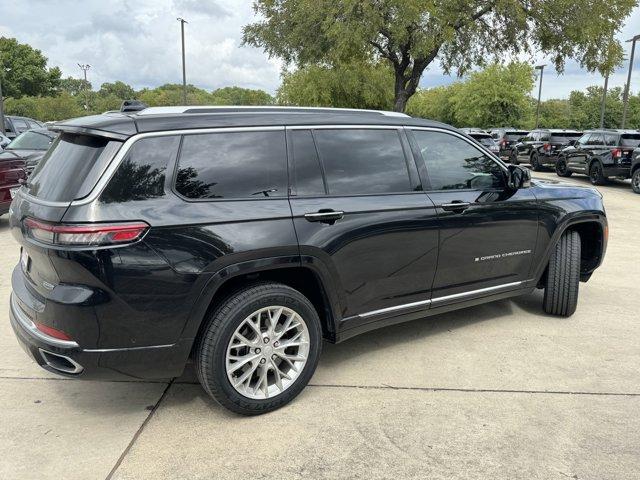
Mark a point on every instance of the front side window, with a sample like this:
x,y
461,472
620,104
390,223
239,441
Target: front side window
x,y
363,161
453,164
584,139
596,139
233,165
141,174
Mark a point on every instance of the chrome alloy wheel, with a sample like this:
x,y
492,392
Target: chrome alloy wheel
x,y
267,352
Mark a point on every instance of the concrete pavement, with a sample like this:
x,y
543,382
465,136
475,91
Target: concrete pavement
x,y
495,391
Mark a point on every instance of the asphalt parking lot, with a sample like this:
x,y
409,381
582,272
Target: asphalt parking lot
x,y
495,391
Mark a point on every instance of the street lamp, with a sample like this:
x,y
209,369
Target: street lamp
x,y
626,88
604,99
541,68
84,68
184,72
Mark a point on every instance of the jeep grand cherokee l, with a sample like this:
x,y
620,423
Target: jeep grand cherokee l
x,y
240,238
600,154
541,147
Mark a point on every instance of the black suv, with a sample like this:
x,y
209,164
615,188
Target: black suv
x,y
635,170
600,154
240,238
505,137
540,148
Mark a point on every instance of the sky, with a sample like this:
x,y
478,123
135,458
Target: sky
x,y
138,42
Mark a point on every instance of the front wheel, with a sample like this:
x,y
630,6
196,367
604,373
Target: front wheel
x,y
513,158
635,181
563,276
562,170
596,174
259,348
535,163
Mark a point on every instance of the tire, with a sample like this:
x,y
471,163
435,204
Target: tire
x,y
513,158
216,348
561,168
635,181
535,163
563,277
596,174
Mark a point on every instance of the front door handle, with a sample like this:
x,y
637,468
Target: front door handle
x,y
325,216
455,206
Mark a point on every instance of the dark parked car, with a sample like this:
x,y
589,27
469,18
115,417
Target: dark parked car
x,y
505,137
14,126
241,238
30,146
600,154
12,173
484,138
541,146
4,141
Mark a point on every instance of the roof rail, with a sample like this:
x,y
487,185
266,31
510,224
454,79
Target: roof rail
x,y
262,108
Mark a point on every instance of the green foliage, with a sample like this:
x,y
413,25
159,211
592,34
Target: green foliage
x,y
354,85
23,70
45,108
240,96
435,103
117,89
74,86
412,34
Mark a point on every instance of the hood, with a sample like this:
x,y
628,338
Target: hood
x,y
31,157
569,189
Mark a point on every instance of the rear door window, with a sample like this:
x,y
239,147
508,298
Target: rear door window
x,y
596,139
71,167
630,140
248,164
363,161
141,175
20,125
306,172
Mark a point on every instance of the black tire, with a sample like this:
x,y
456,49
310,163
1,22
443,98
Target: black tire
x,y
513,158
563,277
596,174
561,168
221,325
535,163
635,181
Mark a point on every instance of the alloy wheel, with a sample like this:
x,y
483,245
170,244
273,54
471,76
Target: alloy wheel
x,y
267,352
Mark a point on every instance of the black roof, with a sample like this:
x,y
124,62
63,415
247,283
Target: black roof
x,y
124,125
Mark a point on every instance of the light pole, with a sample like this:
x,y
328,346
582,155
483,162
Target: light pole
x,y
626,88
1,110
541,68
604,99
84,68
184,71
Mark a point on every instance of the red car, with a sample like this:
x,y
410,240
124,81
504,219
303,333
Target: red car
x,y
12,172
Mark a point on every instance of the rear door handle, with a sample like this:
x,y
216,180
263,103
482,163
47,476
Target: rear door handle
x,y
324,216
455,206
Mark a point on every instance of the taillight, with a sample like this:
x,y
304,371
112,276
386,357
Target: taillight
x,y
616,153
95,234
53,332
546,147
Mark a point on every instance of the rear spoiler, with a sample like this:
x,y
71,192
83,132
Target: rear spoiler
x,y
94,132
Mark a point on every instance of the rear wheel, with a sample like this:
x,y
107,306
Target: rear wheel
x,y
635,181
513,158
259,348
535,163
596,174
563,277
562,170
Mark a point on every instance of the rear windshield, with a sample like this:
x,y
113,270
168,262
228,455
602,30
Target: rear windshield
x,y
516,135
484,139
71,167
32,140
565,136
630,140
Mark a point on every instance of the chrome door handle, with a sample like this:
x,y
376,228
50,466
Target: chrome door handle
x,y
455,206
328,216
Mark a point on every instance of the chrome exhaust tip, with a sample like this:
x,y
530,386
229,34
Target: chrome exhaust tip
x,y
61,363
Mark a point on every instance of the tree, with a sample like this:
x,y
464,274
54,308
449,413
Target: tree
x,y
435,103
74,86
117,89
240,96
23,70
412,34
353,85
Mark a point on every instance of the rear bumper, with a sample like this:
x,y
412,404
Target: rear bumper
x,y
67,358
616,171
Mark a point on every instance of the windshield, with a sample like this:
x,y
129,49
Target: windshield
x,y
630,140
71,167
516,135
32,140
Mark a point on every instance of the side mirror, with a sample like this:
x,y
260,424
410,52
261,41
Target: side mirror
x,y
518,177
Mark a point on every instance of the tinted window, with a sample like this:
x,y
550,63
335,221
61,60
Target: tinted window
x,y
486,140
306,173
611,139
584,139
513,135
596,139
564,137
32,140
71,167
630,140
20,125
141,174
545,136
453,163
362,161
233,165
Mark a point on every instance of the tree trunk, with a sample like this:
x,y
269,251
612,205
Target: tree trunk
x,y
400,101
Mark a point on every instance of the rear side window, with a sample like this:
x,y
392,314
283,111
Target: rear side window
x,y
564,137
630,140
362,161
141,174
453,163
512,135
610,139
71,167
306,171
232,165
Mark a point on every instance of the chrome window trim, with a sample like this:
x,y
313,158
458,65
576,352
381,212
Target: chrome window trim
x,y
364,126
30,327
